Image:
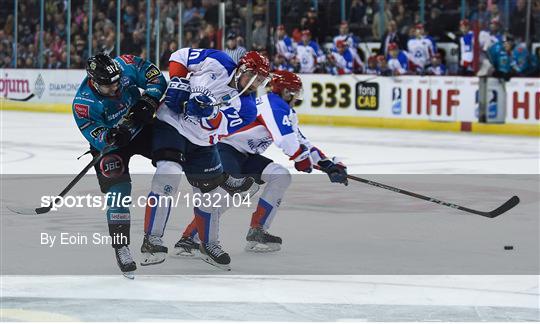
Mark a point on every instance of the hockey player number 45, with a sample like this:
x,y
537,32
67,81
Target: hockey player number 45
x,y
286,121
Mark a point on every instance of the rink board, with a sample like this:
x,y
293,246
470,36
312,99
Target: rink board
x,y
409,102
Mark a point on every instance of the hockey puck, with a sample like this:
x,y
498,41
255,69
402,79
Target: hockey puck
x,y
508,247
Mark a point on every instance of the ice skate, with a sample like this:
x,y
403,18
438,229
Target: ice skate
x,y
186,247
125,261
153,250
214,255
259,240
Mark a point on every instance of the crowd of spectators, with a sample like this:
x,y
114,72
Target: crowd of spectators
x,y
409,47
315,40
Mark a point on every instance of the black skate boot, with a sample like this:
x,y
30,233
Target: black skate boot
x,y
125,261
260,240
186,247
153,250
214,255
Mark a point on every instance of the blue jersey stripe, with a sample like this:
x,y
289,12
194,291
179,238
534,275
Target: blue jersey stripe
x,y
196,56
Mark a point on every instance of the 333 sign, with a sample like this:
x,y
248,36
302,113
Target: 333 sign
x,y
330,95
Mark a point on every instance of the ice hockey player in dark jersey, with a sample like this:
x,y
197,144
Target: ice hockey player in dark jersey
x,y
112,115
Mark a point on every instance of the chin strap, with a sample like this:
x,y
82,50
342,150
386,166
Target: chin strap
x,y
237,82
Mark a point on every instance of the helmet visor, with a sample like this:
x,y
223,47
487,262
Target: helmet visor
x,y
255,80
293,95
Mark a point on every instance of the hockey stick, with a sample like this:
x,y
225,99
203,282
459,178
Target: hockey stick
x,y
226,102
509,204
21,99
126,121
357,79
46,209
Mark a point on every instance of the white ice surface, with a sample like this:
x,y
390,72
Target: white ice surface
x,y
49,143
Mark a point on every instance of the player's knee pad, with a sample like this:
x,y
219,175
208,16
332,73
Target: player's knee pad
x,y
166,180
277,176
207,184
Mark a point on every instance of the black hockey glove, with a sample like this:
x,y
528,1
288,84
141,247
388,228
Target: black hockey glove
x,y
143,110
118,136
337,172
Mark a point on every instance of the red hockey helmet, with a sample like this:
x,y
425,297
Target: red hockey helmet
x,y
285,80
256,62
392,46
464,22
257,67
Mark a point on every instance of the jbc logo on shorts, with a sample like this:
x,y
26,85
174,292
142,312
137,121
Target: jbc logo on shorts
x,y
112,166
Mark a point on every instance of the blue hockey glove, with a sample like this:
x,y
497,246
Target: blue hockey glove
x,y
199,107
337,171
177,94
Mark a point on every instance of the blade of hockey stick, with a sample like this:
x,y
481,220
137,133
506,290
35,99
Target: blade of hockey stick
x,y
22,211
509,204
22,99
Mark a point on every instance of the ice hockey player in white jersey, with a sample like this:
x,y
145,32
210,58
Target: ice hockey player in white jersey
x,y
185,134
241,154
466,47
398,61
420,49
285,46
309,53
489,37
351,40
